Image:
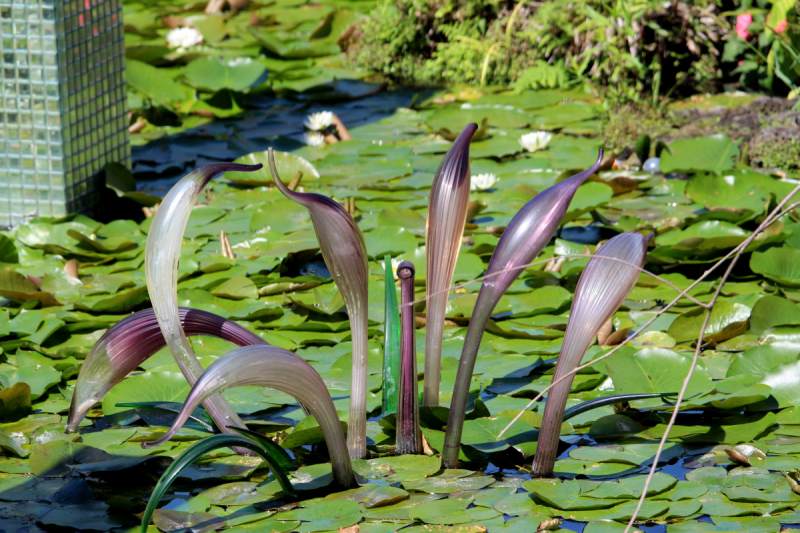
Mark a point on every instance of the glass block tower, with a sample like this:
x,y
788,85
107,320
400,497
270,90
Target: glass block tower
x,y
62,104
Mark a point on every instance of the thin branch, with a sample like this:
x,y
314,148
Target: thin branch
x,y
772,218
775,215
682,294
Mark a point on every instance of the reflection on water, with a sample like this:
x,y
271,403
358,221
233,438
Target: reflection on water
x,y
591,234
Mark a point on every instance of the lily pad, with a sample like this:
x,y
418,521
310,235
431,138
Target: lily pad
x,y
288,165
654,370
715,154
778,264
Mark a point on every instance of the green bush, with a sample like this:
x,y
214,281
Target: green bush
x,y
776,147
428,42
635,49
764,54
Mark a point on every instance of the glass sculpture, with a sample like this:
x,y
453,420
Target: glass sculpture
x,y
62,105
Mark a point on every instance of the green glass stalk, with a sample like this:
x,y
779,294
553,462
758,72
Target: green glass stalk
x,y
391,342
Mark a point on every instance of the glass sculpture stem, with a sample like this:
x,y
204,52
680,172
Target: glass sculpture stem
x,y
409,438
458,404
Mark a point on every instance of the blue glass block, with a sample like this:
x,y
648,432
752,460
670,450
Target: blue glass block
x,y
61,107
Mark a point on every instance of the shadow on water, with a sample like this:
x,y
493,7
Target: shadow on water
x,y
269,122
591,234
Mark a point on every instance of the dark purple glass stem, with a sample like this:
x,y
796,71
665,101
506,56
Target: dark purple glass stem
x,y
409,438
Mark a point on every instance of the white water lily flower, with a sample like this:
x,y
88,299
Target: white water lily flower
x,y
536,140
481,182
395,263
184,37
315,139
235,62
319,121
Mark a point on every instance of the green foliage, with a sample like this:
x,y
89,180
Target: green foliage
x,y
428,42
766,53
542,76
637,50
779,153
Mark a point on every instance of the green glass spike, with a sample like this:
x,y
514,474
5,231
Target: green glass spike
x,y
391,342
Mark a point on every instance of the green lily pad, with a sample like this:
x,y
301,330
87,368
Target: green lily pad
x,y
771,311
455,117
714,154
237,288
448,483
325,516
153,83
59,458
482,433
728,319
39,378
778,264
703,238
566,495
654,370
450,511
372,496
288,166
15,401
757,361
147,387
632,487
743,190
785,382
214,74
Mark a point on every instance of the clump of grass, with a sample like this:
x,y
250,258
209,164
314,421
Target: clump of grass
x,y
776,151
624,124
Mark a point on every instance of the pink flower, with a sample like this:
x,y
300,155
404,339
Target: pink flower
x,y
742,22
781,26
